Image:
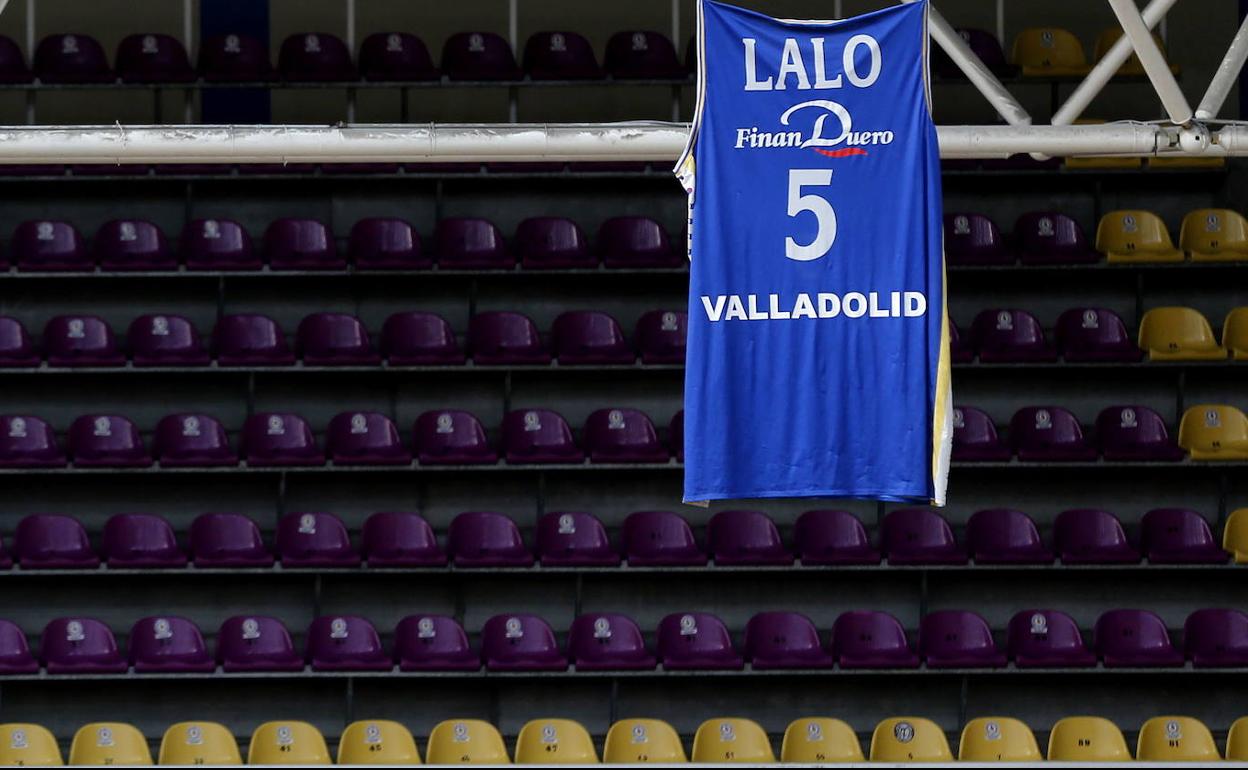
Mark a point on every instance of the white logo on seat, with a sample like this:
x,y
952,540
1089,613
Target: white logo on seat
x,y
513,629
1046,38
394,43
338,629
307,524
194,735
127,232
74,632
1044,227
1039,624
814,732
69,44
1213,224
104,737
425,629
567,524
160,326
212,230
17,739
1005,321
602,628
1044,420
1212,419
727,732
640,42
190,427
1091,319
103,427
161,629
276,426
1128,223
459,732
285,736
150,45
311,44
558,43
232,44
688,625
1128,419
615,420
1173,731
251,628
959,419
45,231
446,424
549,734
17,428
639,734
532,421
903,732
372,734
992,731
961,225
668,322
476,43
76,329
359,423
965,35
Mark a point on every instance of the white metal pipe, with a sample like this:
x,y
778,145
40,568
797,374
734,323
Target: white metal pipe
x,y
1226,76
1155,65
3,4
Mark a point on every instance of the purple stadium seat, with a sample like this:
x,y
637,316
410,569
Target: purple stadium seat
x,y
452,437
660,539
334,339
661,336
256,643
417,338
560,56
696,641
1092,536
1047,639
1048,238
315,57
345,643
1095,334
1005,536
471,244
1216,638
520,643
301,244
622,436
140,541
153,58
81,341
642,55
478,56
6,561
984,45
131,244
608,642
28,442
1178,536
13,67
387,244
396,539
864,639
831,537
552,242
975,437
71,58
165,340
16,349
1010,336
47,246
1049,433
314,540
191,440
505,338
959,352
784,640
391,56
590,337
365,438
1135,433
433,643
1134,639
574,539
538,436
80,646
919,536
271,439
636,242
958,639
746,537
15,655
227,540
234,59
50,541
484,539
973,239
676,435
170,645
218,244
106,441
250,339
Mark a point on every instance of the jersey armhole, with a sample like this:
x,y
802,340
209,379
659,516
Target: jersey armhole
x,y
684,168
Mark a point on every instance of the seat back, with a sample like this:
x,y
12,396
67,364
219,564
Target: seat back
x,y
345,643
1213,233
519,642
486,539
745,537
399,538
451,436
16,348
1173,332
79,644
1046,638
303,537
587,336
663,537
909,739
662,336
574,538
622,435
1132,235
165,339
132,243
1177,535
1094,334
605,641
417,338
1235,535
13,67
192,439
1214,431
503,337
1087,739
638,741
975,436
136,539
554,742
28,745
918,535
168,643
44,244
315,56
433,642
642,54
1051,237
15,655
109,743
256,643
538,435
832,537
1009,335
234,58
1134,432
1048,50
1216,637
277,439
816,740
865,639
250,339
153,58
973,239
783,640
1236,741
1048,433
221,537
199,743
1004,534
732,739
29,441
333,338
635,242
560,56
85,340
209,243
52,541
998,739
1090,536
1235,333
1129,637
292,244
385,242
395,56
478,56
287,743
1175,739
471,243
367,438
695,640
465,742
377,742
956,638
551,242
71,57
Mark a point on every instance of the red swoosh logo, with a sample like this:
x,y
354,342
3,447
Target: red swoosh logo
x,y
841,153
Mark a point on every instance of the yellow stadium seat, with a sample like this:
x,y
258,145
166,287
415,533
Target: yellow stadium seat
x,y
1087,739
997,739
1132,65
1235,537
1178,334
1186,161
466,742
1214,235
817,740
1099,161
1235,333
555,742
1214,432
287,743
28,745
730,739
1049,52
377,742
109,743
909,739
1176,739
1237,741
1135,236
199,743
642,741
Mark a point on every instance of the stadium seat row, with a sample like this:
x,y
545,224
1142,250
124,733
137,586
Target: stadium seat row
x,y
1038,52
374,243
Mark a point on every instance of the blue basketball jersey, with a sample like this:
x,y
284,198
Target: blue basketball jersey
x,y
818,354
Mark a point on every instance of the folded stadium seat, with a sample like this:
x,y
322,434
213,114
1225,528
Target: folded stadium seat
x,y
452,437
250,339
608,642
71,58
662,539
746,537
1214,235
1092,536
478,56
1005,536
13,67
864,639
256,643
590,337
622,436
227,540
28,442
1135,433
50,541
16,349
997,739
1214,432
50,247
1216,638
696,641
544,243
560,56
909,739
1010,336
635,242
234,58
1087,739
218,244
676,435
287,743
377,741
1049,434
471,244
973,239
504,338
642,55
465,741
816,740
15,656
315,57
1178,536
1132,66
661,336
80,646
1047,639
109,743
919,536
1135,236
365,438
106,441
633,741
486,539
81,341
831,537
1171,739
140,541
1134,639
345,643
958,639
124,244
168,644
538,436
165,340
1178,334
395,56
784,640
270,439
520,642
191,440
397,539
314,540
198,743
433,643
417,338
153,58
1234,334
975,437
301,244
386,244
1049,52
334,339
574,539
959,352
984,45
30,745
732,739
1052,238
555,741
1095,334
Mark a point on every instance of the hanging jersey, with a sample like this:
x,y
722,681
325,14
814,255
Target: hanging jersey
x,y
818,361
